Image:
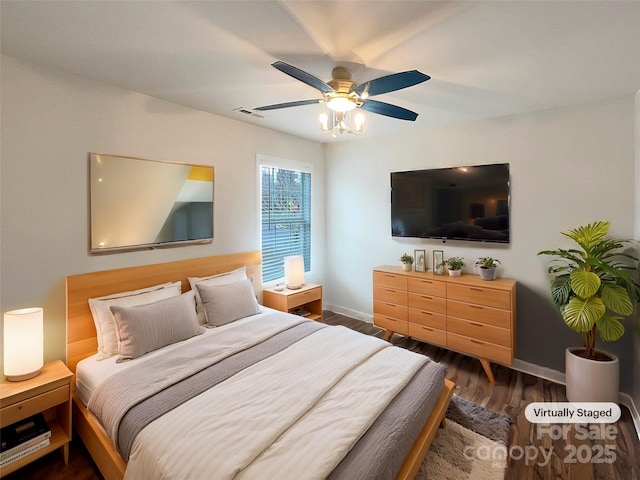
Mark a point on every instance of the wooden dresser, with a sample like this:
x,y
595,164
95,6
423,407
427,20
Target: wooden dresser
x,y
464,313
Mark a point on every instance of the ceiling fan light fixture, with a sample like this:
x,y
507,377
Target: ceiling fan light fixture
x,y
341,104
340,123
342,95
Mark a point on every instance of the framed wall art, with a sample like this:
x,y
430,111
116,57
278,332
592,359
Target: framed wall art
x,y
438,258
420,264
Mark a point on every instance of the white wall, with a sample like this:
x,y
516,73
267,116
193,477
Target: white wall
x,y
52,120
569,167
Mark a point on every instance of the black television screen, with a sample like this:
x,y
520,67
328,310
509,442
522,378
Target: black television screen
x,y
460,203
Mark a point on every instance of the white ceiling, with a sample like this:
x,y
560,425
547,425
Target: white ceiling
x,y
486,58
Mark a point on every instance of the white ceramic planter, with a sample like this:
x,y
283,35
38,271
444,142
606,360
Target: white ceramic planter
x,y
406,267
591,380
455,273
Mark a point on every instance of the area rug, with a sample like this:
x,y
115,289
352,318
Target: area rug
x,y
473,445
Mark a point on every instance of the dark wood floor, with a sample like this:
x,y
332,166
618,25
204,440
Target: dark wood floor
x,y
512,392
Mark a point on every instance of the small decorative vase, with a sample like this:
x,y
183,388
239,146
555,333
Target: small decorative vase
x,y
488,273
406,267
455,273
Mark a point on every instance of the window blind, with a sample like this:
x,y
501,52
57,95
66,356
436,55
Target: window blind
x,y
285,218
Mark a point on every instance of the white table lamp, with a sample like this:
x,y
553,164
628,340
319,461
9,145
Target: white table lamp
x,y
294,272
23,343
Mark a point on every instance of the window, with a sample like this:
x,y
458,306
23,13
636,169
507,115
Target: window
x,y
285,193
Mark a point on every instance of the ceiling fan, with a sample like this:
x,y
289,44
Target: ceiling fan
x,y
341,94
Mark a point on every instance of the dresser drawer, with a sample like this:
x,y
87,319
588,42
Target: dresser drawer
x,y
428,302
428,334
479,331
391,295
479,313
429,287
480,348
12,413
429,319
399,312
391,280
390,323
480,295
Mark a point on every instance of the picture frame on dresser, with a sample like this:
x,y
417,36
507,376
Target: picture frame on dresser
x,y
438,258
420,264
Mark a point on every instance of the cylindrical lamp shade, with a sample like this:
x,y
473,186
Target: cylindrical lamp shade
x,y
294,271
23,344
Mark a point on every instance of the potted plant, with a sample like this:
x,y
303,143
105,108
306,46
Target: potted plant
x,y
487,267
454,265
407,261
593,292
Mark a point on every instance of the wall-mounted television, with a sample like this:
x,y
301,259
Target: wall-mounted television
x,y
139,204
458,203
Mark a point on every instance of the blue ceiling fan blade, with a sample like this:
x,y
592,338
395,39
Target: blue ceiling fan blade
x,y
389,110
391,83
303,77
288,104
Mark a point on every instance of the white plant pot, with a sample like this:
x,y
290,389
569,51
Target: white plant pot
x,y
487,273
406,267
455,273
591,380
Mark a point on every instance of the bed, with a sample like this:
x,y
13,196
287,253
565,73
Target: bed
x,y
326,439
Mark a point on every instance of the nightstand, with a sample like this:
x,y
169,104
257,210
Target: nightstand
x,y
305,299
50,394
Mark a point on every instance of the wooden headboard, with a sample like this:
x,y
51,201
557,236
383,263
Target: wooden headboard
x,y
81,333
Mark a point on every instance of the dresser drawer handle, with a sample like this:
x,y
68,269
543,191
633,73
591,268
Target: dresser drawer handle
x,y
476,341
390,305
425,313
476,324
427,297
389,290
475,289
477,306
427,329
426,281
389,275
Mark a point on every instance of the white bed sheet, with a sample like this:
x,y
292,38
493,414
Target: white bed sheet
x,y
91,372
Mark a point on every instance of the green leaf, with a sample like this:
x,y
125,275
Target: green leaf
x,y
590,235
585,284
610,328
580,314
616,298
560,289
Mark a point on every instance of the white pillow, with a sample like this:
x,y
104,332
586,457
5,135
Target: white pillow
x,y
226,303
145,328
221,279
103,318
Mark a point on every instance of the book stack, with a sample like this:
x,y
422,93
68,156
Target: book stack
x,y
22,438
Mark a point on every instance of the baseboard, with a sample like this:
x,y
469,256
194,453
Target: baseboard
x,y
349,313
538,371
627,401
519,365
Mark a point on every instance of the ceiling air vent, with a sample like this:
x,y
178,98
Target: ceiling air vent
x,y
246,111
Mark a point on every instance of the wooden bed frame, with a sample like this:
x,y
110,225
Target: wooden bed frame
x,y
82,342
